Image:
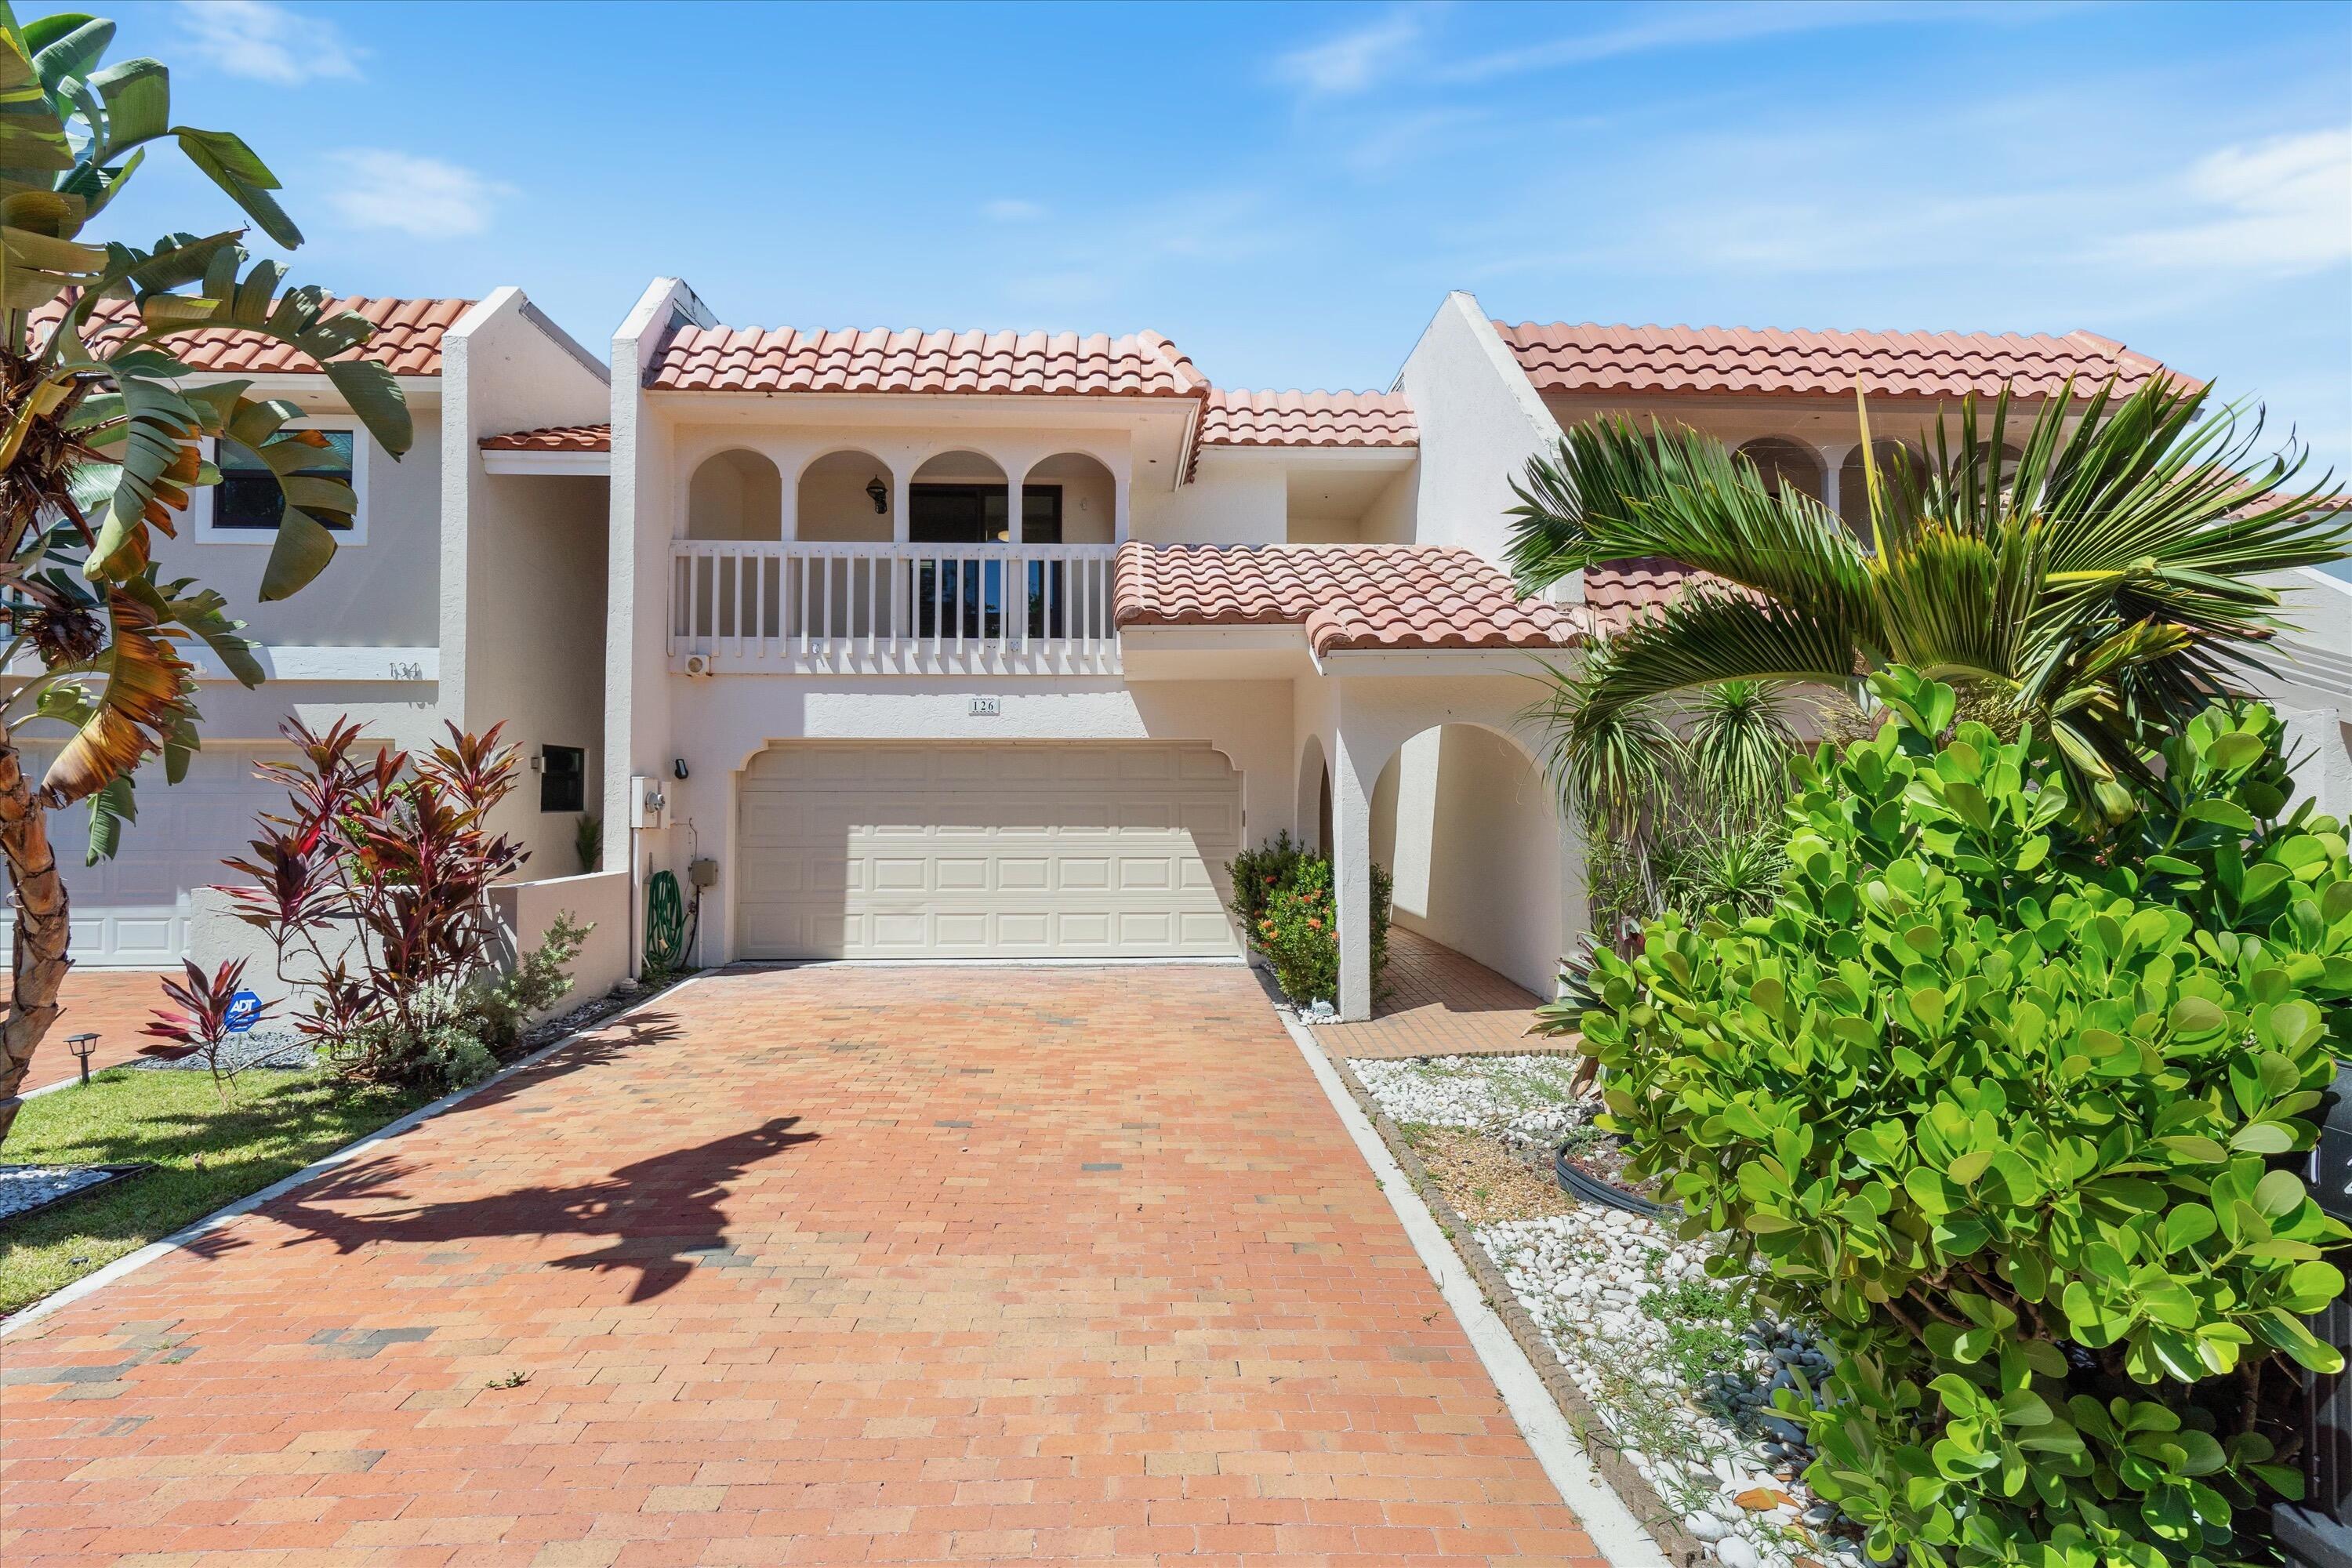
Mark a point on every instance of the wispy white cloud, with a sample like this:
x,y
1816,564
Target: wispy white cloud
x,y
1011,209
423,199
1678,27
267,42
1352,61
2282,206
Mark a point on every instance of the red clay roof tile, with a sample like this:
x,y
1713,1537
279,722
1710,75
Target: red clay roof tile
x,y
553,439
407,339
757,359
1318,419
1347,596
1561,356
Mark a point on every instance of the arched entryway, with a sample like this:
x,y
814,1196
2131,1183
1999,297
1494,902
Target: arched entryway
x,y
1470,832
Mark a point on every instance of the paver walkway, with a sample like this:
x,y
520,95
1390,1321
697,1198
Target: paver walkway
x,y
1438,1002
816,1266
114,1003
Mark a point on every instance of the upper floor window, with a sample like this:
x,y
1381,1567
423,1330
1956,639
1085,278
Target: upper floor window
x,y
976,514
245,507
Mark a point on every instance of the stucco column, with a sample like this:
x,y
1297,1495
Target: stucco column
x,y
1351,872
1832,460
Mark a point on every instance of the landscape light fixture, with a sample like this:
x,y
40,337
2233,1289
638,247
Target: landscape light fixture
x,y
880,492
83,1047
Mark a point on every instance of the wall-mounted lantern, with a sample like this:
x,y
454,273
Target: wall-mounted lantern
x,y
880,492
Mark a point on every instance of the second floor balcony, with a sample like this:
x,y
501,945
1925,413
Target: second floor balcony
x,y
806,607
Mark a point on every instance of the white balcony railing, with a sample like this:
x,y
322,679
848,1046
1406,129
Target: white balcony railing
x,y
883,608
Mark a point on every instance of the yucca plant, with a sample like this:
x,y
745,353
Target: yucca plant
x,y
101,442
2105,587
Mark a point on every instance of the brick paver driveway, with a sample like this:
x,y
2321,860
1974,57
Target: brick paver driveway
x,y
826,1266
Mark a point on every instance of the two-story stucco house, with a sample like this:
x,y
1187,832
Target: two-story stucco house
x,y
456,594
999,647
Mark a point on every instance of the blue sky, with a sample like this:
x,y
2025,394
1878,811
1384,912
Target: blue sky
x,y
1288,191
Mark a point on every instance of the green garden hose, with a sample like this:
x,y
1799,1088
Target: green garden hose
x,y
664,923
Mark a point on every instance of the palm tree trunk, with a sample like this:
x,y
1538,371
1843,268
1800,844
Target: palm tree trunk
x,y
41,961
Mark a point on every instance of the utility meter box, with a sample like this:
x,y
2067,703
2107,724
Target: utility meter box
x,y
647,802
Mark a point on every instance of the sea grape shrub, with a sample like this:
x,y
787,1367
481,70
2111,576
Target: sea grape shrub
x,y
2011,1106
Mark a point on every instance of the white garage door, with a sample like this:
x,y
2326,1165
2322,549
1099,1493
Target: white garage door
x,y
971,850
132,913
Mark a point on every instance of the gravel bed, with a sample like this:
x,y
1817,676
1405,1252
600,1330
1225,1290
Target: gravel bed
x,y
1528,1096
24,1188
261,1049
1677,1366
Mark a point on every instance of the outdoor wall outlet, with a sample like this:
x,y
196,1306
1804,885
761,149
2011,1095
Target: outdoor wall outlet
x,y
702,872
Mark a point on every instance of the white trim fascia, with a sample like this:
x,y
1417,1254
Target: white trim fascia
x,y
1528,663
595,464
304,385
1278,636
196,1230
2328,580
1618,1535
1260,456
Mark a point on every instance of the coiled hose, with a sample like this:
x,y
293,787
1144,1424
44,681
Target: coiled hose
x,y
664,923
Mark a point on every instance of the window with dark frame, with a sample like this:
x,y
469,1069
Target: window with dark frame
x,y
975,593
563,778
247,496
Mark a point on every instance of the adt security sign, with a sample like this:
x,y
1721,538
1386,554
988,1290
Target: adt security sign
x,y
243,1009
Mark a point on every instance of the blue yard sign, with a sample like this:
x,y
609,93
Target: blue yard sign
x,y
243,1009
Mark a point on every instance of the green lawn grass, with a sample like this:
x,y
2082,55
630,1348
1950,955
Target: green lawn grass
x,y
207,1151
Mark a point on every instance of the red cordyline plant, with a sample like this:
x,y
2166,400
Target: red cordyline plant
x,y
201,1019
375,883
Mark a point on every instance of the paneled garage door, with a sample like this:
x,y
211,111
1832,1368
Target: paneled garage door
x,y
970,850
132,913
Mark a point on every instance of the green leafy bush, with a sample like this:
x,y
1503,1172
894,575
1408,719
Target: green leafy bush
x,y
2006,1105
1281,893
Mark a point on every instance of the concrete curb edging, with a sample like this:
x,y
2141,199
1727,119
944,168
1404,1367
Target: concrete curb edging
x,y
131,1262
1639,1502
1551,1414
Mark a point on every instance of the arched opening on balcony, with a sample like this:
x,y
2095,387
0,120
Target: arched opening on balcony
x,y
959,497
735,495
845,498
1069,498
1783,464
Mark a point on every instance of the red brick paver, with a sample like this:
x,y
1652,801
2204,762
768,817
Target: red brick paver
x,y
1438,1002
116,1003
817,1265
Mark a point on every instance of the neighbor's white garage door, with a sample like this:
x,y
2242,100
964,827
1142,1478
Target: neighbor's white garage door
x,y
973,850
132,913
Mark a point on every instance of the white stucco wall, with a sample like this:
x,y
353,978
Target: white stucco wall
x,y
384,591
523,561
1467,828
1232,499
1480,421
525,911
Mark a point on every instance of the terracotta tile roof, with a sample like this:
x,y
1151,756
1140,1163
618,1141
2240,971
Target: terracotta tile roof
x,y
1619,593
553,438
1318,419
757,359
1378,596
407,339
1582,357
